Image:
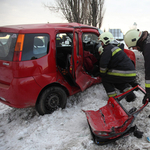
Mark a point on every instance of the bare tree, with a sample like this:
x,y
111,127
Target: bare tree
x,y
89,12
101,13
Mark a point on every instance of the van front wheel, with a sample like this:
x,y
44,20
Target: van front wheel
x,y
51,99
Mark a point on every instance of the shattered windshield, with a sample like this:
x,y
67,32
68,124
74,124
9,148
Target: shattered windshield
x,y
7,45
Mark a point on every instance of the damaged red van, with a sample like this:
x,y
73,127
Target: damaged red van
x,y
42,64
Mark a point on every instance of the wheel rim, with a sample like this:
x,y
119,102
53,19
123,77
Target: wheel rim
x,y
52,102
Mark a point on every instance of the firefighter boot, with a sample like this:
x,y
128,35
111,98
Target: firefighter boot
x,y
131,97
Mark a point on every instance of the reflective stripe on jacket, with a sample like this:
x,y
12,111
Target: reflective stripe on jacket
x,y
115,50
122,73
147,83
115,62
103,70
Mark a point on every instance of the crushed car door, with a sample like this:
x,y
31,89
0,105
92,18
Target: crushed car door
x,y
81,77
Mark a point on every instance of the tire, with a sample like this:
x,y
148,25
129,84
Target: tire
x,y
51,99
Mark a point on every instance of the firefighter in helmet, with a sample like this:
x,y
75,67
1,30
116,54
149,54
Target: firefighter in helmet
x,y
116,68
140,40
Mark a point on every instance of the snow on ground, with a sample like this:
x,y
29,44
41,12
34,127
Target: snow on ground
x,y
24,129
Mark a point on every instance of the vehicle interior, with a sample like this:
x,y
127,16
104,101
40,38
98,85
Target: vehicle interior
x,y
91,45
64,48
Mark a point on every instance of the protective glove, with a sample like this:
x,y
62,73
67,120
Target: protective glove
x,y
147,96
100,50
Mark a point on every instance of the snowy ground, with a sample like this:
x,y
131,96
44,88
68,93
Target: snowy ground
x,y
24,129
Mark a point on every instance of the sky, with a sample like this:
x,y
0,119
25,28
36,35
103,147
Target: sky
x,y
119,13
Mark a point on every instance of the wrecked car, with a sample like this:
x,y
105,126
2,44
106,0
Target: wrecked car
x,y
43,64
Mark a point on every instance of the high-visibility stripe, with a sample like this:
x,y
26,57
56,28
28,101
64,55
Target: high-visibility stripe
x,y
103,70
147,83
111,94
122,73
115,50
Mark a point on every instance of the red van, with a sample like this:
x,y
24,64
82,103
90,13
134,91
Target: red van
x,y
42,64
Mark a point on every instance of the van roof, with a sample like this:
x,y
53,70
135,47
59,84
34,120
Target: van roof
x,y
17,28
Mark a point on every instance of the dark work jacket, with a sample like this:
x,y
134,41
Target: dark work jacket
x,y
146,53
115,62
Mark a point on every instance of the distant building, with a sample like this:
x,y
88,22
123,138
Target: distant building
x,y
117,33
134,25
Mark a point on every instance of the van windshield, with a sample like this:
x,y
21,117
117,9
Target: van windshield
x,y
7,45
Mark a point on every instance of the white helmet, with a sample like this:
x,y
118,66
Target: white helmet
x,y
106,38
131,37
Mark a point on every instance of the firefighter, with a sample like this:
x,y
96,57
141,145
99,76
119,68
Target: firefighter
x,y
116,69
140,40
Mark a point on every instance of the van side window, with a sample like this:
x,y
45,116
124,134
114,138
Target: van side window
x,y
64,40
35,46
64,43
7,45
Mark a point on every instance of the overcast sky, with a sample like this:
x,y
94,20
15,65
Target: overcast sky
x,y
119,13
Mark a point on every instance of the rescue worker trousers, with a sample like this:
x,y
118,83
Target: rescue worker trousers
x,y
121,83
